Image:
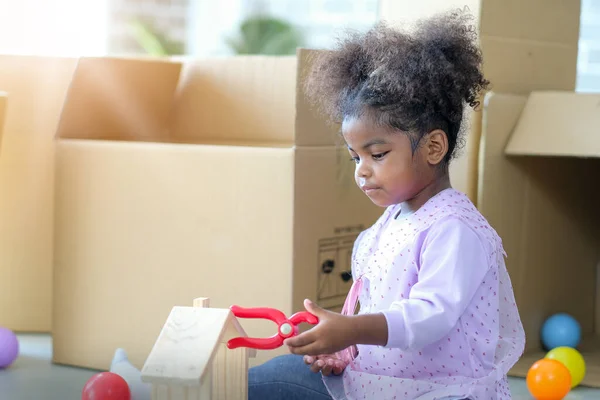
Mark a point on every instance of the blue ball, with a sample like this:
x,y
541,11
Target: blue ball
x,y
561,330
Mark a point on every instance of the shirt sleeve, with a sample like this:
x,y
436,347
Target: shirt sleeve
x,y
454,262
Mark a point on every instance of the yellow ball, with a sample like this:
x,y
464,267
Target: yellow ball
x,y
571,359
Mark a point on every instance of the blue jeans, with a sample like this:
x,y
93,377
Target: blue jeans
x,y
285,377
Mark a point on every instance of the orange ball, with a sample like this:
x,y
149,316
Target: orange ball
x,y
548,379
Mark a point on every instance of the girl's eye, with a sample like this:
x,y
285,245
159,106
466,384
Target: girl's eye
x,y
379,156
355,160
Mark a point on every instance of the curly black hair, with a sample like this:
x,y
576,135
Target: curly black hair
x,y
413,82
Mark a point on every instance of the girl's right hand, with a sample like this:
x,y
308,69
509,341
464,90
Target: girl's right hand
x,y
327,364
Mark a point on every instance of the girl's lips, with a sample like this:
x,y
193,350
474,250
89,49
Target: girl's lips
x,y
369,189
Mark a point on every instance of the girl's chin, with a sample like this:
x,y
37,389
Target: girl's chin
x,y
380,201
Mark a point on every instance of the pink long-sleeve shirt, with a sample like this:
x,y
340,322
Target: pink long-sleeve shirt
x,y
439,278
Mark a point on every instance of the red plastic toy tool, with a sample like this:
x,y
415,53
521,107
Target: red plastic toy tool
x,y
286,327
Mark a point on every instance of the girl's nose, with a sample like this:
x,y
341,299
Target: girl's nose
x,y
362,170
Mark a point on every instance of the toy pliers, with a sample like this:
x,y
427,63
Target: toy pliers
x,y
286,327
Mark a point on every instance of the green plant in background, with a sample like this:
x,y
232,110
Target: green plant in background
x,y
154,42
267,36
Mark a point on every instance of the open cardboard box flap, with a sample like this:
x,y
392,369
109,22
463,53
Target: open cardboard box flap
x,y
119,99
240,100
558,124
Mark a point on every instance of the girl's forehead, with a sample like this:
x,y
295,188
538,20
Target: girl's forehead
x,y
360,132
362,127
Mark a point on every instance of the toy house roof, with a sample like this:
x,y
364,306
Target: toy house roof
x,y
188,343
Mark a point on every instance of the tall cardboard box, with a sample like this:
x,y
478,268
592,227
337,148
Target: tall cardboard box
x,y
178,179
3,101
539,187
527,45
36,87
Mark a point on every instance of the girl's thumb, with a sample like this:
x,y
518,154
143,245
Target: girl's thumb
x,y
312,307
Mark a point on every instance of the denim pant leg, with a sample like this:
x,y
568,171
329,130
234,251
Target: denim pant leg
x,y
285,377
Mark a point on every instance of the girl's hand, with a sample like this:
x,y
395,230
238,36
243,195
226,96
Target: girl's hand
x,y
327,364
333,333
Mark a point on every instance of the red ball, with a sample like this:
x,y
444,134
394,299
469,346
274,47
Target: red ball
x,y
106,386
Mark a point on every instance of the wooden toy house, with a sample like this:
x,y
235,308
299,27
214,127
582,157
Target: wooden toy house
x,y
190,359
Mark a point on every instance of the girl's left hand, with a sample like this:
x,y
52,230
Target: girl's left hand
x,y
333,333
326,364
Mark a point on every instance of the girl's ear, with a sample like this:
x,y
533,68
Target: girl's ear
x,y
437,146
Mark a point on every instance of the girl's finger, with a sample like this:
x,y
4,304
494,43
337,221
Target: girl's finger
x,y
309,360
300,340
311,349
338,369
327,369
316,366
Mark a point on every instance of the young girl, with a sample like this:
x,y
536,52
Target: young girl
x,y
437,315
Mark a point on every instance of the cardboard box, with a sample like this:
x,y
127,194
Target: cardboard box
x,y
527,45
179,179
36,87
539,188
3,101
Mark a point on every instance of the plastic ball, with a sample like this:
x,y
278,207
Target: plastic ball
x,y
561,330
9,347
106,386
548,379
571,359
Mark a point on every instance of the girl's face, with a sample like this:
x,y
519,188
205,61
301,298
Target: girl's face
x,y
387,170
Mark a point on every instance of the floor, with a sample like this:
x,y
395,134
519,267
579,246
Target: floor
x,y
32,376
